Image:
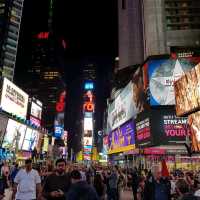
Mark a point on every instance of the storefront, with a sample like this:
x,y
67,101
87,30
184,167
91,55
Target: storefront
x,y
161,135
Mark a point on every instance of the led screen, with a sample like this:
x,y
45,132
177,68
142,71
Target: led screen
x,y
194,122
187,92
29,140
10,137
162,75
87,141
88,124
15,98
22,131
36,110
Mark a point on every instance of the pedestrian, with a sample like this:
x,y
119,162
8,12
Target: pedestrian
x,y
134,179
113,184
80,190
157,187
140,190
57,184
14,172
27,183
99,186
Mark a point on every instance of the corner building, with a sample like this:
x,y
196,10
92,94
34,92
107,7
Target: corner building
x,y
154,27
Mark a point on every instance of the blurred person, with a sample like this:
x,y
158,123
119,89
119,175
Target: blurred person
x,y
140,190
80,190
113,184
134,183
57,184
14,172
183,192
121,183
27,183
157,187
99,186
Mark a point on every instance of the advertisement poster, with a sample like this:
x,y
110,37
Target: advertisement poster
x,y
122,138
167,128
15,98
140,88
162,75
187,93
88,124
11,134
60,116
36,110
87,141
122,108
143,130
194,123
22,132
3,125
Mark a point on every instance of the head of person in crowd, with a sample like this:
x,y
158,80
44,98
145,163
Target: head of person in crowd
x,y
75,176
182,187
60,166
142,182
156,172
28,165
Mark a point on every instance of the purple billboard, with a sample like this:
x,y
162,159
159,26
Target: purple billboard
x,y
122,138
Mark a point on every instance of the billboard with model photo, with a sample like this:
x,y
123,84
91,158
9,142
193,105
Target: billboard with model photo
x,y
122,108
162,75
3,125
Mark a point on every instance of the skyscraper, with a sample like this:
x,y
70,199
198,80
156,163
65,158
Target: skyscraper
x,y
10,20
153,27
45,76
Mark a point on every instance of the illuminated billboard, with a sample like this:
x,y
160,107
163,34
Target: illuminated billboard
x,y
122,138
13,99
194,123
87,141
89,86
36,110
88,124
187,93
162,75
11,133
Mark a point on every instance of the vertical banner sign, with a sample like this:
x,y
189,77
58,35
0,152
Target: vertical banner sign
x,y
59,119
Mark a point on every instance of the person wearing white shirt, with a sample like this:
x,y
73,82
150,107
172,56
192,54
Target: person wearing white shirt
x,y
27,184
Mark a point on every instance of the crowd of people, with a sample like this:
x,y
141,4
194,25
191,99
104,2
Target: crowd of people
x,y
63,181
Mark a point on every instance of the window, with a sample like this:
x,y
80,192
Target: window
x,y
123,4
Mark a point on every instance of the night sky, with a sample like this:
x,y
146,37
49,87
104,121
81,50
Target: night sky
x,y
89,28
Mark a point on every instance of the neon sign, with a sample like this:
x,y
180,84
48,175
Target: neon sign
x,y
88,107
89,86
60,105
43,35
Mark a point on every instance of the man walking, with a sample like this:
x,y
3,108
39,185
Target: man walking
x,y
27,183
58,183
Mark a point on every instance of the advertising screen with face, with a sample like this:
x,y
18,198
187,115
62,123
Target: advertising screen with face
x,y
3,125
87,141
11,134
194,123
162,75
88,124
36,110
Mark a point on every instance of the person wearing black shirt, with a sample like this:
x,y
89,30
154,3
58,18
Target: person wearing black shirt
x,y
57,184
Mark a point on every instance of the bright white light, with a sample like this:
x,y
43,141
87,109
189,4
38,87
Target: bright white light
x,y
88,124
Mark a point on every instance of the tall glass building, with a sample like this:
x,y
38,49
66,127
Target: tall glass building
x,y
10,20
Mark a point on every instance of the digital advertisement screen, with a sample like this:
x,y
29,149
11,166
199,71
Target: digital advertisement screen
x,y
162,75
194,123
58,132
3,125
16,98
88,124
10,136
187,92
167,128
29,140
122,108
122,138
22,131
87,141
36,110
35,121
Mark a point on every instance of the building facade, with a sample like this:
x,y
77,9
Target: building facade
x,y
154,27
10,20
